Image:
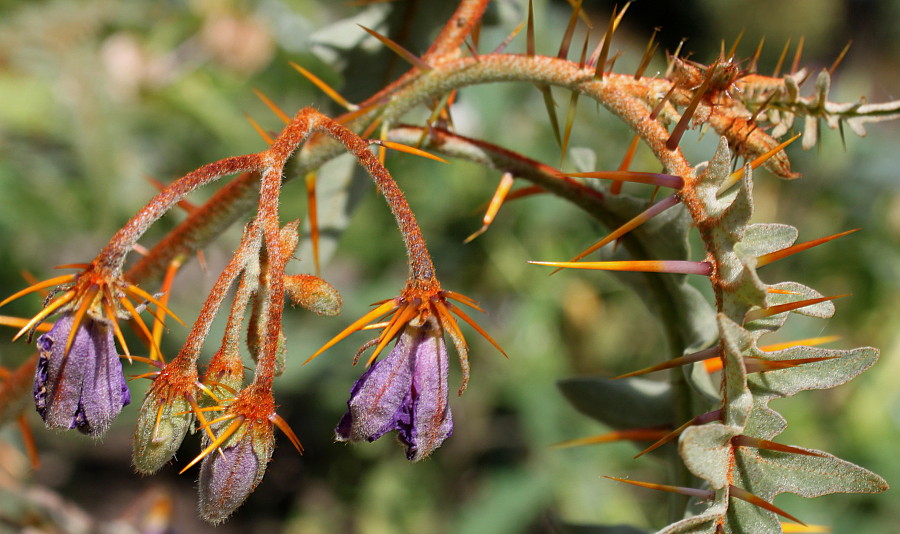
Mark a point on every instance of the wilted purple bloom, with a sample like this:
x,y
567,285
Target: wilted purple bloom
x,y
407,391
84,389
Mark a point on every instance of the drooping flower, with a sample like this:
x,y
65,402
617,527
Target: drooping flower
x,y
79,383
78,378
407,392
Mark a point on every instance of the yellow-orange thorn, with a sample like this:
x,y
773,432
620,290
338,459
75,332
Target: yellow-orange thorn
x,y
468,301
408,149
737,175
385,307
701,494
272,106
312,207
401,317
259,130
413,59
648,266
462,315
19,322
619,232
703,355
334,95
151,374
278,421
117,330
633,434
46,312
777,291
809,342
503,188
701,419
148,361
793,528
766,259
58,280
141,325
762,313
139,293
215,443
616,187
745,495
159,322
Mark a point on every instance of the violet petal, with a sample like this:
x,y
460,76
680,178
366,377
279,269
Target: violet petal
x,y
84,389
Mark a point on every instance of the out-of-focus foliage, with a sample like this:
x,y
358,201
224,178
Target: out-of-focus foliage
x,y
96,96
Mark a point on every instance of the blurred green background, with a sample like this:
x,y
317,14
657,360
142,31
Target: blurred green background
x,y
97,96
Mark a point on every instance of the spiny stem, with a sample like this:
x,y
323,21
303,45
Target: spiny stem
x,y
191,350
421,268
112,257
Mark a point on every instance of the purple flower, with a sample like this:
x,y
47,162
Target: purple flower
x,y
407,392
84,389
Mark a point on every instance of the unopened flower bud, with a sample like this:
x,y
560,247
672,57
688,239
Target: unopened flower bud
x,y
227,479
224,375
313,293
163,421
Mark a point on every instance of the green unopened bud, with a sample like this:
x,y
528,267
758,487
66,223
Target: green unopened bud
x,y
162,423
224,376
227,479
313,293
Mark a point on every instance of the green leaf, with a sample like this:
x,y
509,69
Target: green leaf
x,y
762,239
774,472
706,451
626,403
845,365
